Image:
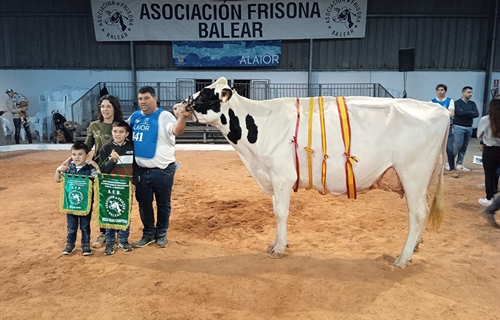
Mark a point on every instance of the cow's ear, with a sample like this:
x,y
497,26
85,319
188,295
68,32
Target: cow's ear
x,y
225,95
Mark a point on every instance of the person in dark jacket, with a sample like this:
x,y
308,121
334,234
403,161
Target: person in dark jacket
x,y
465,112
117,157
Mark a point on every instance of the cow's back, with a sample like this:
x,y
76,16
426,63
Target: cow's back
x,y
384,133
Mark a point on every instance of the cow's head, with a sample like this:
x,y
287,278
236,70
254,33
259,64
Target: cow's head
x,y
206,104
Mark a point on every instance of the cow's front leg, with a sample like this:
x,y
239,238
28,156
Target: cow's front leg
x,y
281,205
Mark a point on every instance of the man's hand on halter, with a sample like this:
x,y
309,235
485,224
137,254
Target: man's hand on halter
x,y
180,111
182,115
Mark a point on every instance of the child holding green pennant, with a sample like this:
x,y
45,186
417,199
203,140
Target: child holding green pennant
x,y
114,202
77,196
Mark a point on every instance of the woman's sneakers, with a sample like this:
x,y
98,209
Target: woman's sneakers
x,y
485,202
99,241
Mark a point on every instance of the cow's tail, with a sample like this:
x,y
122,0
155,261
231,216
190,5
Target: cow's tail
x,y
437,208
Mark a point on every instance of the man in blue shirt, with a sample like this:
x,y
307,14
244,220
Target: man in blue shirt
x,y
153,133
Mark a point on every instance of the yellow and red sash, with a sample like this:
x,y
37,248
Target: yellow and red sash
x,y
346,136
296,144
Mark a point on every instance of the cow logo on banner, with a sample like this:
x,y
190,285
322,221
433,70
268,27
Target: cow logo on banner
x,y
115,20
115,206
75,197
343,18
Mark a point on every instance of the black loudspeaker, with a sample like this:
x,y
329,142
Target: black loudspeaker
x,y
407,59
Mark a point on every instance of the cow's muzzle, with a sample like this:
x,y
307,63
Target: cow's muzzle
x,y
191,106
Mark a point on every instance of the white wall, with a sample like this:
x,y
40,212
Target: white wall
x,y
420,84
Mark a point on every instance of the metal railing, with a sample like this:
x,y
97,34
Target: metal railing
x,y
169,93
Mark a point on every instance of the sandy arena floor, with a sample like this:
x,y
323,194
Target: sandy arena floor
x,y
338,265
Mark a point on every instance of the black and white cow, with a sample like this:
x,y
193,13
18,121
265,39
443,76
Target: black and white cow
x,y
404,134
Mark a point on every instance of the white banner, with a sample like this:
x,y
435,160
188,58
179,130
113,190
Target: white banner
x,y
222,20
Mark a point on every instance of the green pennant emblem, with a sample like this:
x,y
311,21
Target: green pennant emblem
x,y
114,199
76,194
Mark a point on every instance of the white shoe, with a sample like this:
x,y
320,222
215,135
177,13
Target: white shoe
x,y
461,167
485,202
447,166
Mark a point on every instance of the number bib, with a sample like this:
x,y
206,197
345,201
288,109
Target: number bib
x,y
145,133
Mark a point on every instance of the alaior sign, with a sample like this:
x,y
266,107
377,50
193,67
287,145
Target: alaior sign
x,y
222,20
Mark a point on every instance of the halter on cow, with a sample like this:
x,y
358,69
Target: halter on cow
x,y
291,141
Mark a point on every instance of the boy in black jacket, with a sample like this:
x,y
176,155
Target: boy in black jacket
x,y
118,158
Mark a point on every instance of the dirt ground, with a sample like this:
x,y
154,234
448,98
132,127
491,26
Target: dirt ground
x,y
338,265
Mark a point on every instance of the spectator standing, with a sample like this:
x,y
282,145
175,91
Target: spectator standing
x,y
2,134
465,112
488,132
449,104
17,104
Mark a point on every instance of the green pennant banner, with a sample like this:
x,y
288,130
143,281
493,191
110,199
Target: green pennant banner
x,y
76,194
114,201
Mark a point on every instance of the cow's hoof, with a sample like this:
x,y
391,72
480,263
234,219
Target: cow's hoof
x,y
276,255
416,247
400,264
270,249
